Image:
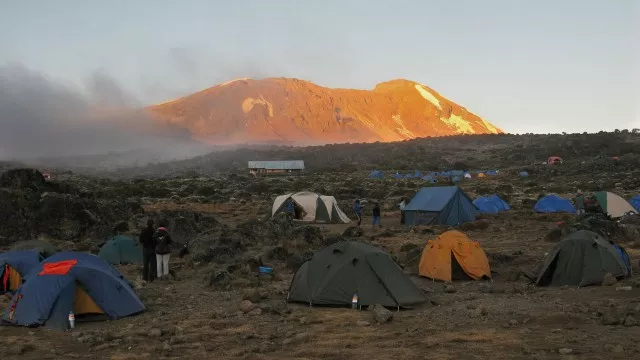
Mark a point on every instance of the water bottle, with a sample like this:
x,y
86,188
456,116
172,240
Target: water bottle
x,y
72,320
354,300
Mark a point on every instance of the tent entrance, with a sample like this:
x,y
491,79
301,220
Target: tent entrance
x,y
83,303
457,272
10,278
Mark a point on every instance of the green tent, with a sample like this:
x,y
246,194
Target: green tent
x,y
121,249
45,248
613,204
582,258
334,274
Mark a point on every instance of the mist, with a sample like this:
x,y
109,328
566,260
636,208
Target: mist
x,y
41,117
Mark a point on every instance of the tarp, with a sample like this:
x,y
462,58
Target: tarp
x,y
121,249
582,258
443,205
70,281
312,207
491,204
554,204
337,272
613,204
453,256
635,202
14,266
376,174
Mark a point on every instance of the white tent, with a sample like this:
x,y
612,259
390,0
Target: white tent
x,y
312,207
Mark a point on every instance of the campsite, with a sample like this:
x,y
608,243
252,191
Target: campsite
x,y
496,266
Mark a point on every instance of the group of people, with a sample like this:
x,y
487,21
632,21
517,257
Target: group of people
x,y
375,212
156,251
586,204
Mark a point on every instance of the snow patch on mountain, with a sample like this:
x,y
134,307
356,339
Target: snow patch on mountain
x,y
249,103
459,124
428,96
402,129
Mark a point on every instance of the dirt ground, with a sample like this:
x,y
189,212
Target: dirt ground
x,y
501,319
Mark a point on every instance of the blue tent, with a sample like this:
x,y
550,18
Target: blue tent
x,y
430,179
457,172
554,204
376,174
408,176
492,172
443,205
456,179
71,281
635,202
524,174
491,204
14,266
397,176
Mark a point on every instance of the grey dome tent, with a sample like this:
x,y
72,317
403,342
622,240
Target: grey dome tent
x,y
334,274
582,258
43,247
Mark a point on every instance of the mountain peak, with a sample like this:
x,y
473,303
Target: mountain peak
x,y
290,110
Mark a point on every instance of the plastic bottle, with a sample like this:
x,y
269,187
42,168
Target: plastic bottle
x,y
72,320
355,300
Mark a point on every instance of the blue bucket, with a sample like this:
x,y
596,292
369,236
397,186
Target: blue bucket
x,y
265,270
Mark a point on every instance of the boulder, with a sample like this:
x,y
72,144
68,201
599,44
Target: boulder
x,y
380,314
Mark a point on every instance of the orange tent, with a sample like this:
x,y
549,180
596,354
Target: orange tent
x,y
482,175
454,256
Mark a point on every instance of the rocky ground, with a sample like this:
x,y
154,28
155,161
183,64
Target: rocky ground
x,y
218,308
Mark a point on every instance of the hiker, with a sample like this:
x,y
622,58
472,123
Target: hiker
x,y
357,208
290,208
376,214
402,205
148,252
164,244
579,203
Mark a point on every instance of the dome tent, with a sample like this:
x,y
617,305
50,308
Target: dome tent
x,y
335,273
491,204
45,248
453,256
14,266
71,281
582,258
312,207
121,249
554,204
613,204
635,202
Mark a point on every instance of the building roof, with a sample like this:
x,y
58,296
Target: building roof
x,y
277,165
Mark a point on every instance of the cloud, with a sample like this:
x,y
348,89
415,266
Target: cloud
x,y
40,117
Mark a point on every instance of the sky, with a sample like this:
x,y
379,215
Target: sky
x,y
527,66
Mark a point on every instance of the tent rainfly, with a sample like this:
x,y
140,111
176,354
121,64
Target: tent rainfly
x,y
613,204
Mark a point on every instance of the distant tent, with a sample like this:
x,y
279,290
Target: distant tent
x,y
71,281
14,266
467,176
492,172
445,205
334,274
482,175
121,249
408,176
376,174
430,179
582,258
43,247
554,204
457,172
635,202
397,176
613,204
456,179
453,256
524,174
491,204
312,207
554,160
417,174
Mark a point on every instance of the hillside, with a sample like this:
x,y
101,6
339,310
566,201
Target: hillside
x,y
292,111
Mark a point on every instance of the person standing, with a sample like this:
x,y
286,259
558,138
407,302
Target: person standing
x,y
148,252
357,209
376,214
402,205
163,243
579,203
